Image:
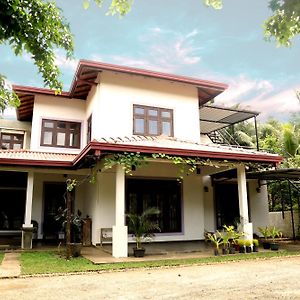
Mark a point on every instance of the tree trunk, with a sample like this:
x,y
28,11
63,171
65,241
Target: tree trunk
x,y
68,225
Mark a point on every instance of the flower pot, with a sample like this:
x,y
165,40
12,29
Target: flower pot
x,y
274,246
216,252
242,249
231,250
138,252
225,251
255,248
248,249
266,245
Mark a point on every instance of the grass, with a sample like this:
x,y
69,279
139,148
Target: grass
x,y
51,262
1,257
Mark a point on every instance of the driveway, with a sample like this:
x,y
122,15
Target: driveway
x,y
276,278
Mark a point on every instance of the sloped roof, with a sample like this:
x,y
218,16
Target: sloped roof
x,y
35,158
143,144
87,73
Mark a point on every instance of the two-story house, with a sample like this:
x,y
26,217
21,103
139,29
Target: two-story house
x,y
111,110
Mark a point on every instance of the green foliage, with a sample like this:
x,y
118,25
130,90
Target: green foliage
x,y
7,96
120,7
284,24
255,242
126,160
37,27
274,233
264,231
142,226
216,239
216,4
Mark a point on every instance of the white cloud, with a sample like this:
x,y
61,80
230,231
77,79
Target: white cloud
x,y
63,62
260,95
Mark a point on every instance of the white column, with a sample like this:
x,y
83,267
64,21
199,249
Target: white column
x,y
120,232
246,227
29,195
27,227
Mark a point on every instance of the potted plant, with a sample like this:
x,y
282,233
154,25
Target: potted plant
x,y
274,233
216,240
76,229
255,245
233,237
242,245
248,245
142,227
266,234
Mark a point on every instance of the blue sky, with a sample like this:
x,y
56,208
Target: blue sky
x,y
186,38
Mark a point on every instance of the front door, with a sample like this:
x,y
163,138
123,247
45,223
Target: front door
x,y
54,198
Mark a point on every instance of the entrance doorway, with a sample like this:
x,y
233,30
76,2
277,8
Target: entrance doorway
x,y
227,204
53,200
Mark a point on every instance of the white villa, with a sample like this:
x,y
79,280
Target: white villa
x,y
111,110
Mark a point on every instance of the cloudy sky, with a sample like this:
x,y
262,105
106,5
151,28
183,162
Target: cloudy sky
x,y
185,38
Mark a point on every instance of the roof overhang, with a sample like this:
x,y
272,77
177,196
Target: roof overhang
x,y
278,174
86,76
216,117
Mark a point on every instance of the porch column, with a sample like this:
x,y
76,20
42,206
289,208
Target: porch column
x,y
246,227
27,227
120,233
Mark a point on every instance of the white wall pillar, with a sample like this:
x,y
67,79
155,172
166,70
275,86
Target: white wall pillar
x,y
246,227
27,227
120,232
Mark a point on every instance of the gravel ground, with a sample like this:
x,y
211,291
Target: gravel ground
x,y
276,278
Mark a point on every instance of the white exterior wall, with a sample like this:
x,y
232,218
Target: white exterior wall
x,y
113,112
100,205
57,108
258,203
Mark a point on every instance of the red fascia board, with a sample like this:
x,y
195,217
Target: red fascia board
x,y
135,71
179,152
34,90
35,163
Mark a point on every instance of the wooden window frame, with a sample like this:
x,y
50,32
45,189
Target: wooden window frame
x,y
147,117
89,129
55,130
11,141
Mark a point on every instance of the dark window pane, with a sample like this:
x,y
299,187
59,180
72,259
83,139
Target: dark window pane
x,y
61,125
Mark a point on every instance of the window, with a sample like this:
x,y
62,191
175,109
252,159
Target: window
x,y
12,141
89,130
163,194
152,120
60,134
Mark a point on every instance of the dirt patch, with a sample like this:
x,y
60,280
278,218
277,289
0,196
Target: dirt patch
x,y
276,278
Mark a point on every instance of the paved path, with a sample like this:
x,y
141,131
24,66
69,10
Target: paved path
x,y
10,266
258,279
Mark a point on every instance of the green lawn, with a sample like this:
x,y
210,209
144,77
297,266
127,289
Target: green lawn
x,y
1,257
51,262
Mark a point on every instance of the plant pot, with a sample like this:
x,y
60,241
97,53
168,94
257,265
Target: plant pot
x,y
255,248
76,249
138,252
237,247
274,246
225,251
248,249
266,245
216,252
232,250
242,249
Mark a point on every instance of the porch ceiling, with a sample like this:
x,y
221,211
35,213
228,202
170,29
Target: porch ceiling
x,y
216,117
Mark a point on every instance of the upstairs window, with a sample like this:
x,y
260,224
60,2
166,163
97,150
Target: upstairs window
x,y
60,134
11,141
152,120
